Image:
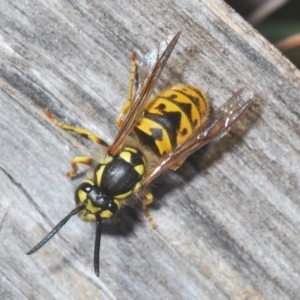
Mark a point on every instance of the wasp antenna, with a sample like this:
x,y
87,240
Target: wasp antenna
x,y
97,246
55,229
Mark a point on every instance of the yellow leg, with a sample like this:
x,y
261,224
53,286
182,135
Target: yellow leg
x,y
128,103
147,201
75,129
79,160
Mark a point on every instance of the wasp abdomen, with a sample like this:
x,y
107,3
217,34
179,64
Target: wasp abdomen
x,y
171,117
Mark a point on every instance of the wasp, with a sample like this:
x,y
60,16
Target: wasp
x,y
169,128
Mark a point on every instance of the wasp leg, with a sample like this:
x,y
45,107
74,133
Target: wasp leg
x,y
75,129
80,160
147,201
133,76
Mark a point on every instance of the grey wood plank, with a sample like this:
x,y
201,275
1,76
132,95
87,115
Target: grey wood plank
x,y
228,220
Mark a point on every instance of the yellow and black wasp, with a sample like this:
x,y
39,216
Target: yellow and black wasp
x,y
168,128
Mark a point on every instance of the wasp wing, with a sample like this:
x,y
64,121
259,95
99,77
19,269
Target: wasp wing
x,y
151,58
154,62
212,129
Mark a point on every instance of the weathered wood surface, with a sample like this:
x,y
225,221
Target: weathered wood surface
x,y
229,219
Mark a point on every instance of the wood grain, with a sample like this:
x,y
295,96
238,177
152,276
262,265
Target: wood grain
x,y
229,222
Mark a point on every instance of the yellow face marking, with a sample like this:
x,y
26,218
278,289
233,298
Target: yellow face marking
x,y
93,209
123,196
99,174
86,216
126,155
81,196
140,169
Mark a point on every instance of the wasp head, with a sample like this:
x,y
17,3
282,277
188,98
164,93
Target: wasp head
x,y
96,201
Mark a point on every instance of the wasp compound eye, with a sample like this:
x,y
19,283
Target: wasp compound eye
x,y
87,188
